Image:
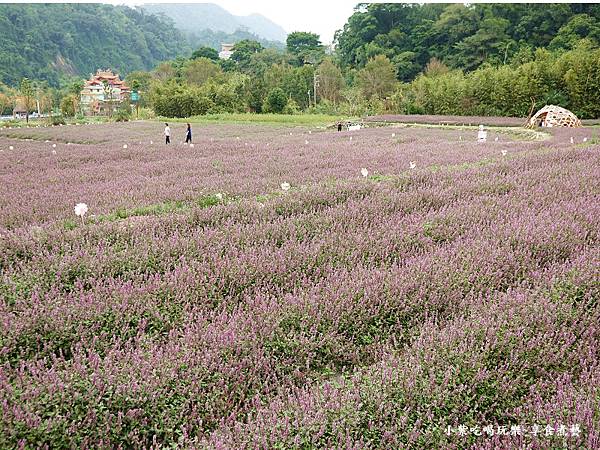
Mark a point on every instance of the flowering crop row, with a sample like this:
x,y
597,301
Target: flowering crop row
x,y
459,120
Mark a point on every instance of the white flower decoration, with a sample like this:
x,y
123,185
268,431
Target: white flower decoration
x,y
80,210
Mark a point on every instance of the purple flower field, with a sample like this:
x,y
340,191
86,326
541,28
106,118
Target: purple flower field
x,y
453,305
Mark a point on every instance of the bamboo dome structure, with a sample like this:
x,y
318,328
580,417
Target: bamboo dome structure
x,y
554,116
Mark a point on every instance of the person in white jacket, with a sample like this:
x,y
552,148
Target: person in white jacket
x,y
167,134
481,134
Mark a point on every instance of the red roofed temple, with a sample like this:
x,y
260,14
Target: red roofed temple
x,y
103,92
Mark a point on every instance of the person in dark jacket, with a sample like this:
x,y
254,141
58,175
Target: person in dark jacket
x,y
188,134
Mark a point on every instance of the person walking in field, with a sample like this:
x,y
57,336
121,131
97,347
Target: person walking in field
x,y
167,134
188,134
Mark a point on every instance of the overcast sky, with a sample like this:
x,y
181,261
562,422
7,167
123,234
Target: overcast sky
x,y
323,17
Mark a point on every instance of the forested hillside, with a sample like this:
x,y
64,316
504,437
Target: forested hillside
x,y
50,41
463,37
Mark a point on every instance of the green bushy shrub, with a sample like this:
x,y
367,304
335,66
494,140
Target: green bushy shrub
x,y
56,119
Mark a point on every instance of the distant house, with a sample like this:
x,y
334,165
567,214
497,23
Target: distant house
x,y
226,51
19,111
96,99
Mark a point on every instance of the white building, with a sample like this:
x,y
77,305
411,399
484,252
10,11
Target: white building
x,y
226,51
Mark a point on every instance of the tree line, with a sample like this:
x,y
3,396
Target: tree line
x,y
261,80
483,59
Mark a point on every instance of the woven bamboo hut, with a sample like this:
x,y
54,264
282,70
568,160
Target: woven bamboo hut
x,y
553,116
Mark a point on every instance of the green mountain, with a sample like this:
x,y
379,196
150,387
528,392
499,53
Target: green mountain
x,y
52,41
462,36
198,17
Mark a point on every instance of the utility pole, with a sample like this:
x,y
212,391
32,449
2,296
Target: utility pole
x,y
309,98
315,85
